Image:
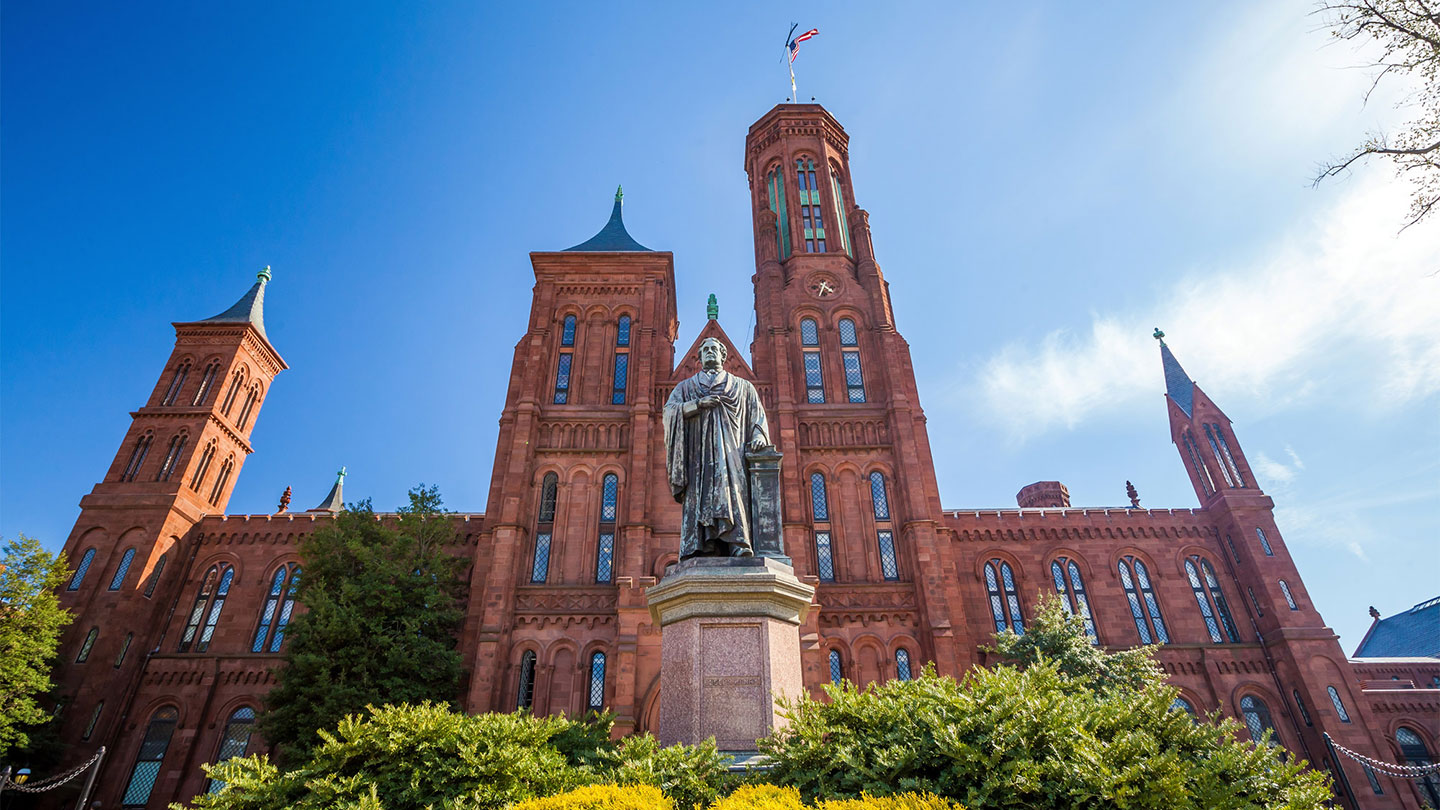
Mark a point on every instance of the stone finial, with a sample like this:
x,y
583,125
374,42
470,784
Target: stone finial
x,y
284,500
1132,495
712,308
264,274
1374,614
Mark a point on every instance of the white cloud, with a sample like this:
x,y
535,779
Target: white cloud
x,y
1270,470
1342,295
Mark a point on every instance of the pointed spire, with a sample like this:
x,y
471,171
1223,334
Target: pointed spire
x,y
613,237
712,308
335,501
1178,385
251,306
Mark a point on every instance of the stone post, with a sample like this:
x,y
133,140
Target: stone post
x,y
763,467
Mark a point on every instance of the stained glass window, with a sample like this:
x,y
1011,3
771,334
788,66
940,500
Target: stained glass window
x,y
525,692
1339,704
902,664
819,506
878,498
152,753
124,568
824,557
234,742
889,567
80,570
597,682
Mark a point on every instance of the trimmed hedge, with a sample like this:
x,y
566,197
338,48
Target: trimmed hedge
x,y
603,797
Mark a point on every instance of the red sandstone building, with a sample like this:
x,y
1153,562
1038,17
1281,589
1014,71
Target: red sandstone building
x,y
181,607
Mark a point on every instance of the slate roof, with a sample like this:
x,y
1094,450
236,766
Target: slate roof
x,y
250,308
1416,632
613,237
1177,383
335,501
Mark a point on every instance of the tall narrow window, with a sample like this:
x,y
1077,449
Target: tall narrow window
x,y
819,504
837,673
87,645
1219,460
850,354
884,534
1143,606
1300,704
80,570
152,753
544,528
1414,752
237,381
605,557
251,397
155,576
567,356
889,566
810,353
622,360
811,218
820,514
597,683
1374,782
824,556
902,664
206,382
233,742
208,603
176,383
172,457
124,648
567,331
123,569
221,480
1339,704
137,456
878,497
1215,613
1231,544
204,466
1255,603
1071,588
775,184
1218,435
279,605
997,576
525,691
1289,600
1201,472
1222,607
839,199
94,718
1257,719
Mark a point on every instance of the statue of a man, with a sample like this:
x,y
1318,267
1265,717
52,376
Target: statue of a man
x,y
711,419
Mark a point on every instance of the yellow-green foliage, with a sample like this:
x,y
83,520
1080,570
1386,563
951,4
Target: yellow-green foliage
x,y
770,797
602,797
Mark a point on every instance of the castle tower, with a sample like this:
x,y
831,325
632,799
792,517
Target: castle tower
x,y
178,462
861,500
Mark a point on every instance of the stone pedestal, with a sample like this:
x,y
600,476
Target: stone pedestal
x,y
766,535
730,645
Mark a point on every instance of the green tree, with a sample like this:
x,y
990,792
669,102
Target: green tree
x,y
382,607
1058,636
31,621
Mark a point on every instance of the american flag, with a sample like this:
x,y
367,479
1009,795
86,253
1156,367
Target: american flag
x,y
794,44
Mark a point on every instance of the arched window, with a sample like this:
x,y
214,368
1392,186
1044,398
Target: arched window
x,y
819,504
1257,719
1219,617
605,556
203,467
1183,705
622,360
80,570
837,673
544,528
1339,704
152,753
1264,542
1071,588
850,355
567,356
213,590
525,691
279,604
1414,752
902,664
172,457
237,381
1201,473
1221,449
839,201
810,353
1289,600
234,741
221,480
206,382
87,645
597,683
251,397
123,569
775,184
1143,606
137,456
1300,704
94,718
124,648
155,576
998,575
879,500
810,217
176,383
1219,461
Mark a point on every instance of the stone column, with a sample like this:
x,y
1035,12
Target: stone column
x,y
730,645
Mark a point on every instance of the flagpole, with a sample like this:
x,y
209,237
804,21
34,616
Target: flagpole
x,y
794,96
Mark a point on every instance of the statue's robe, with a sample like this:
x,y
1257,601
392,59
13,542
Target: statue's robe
x,y
705,459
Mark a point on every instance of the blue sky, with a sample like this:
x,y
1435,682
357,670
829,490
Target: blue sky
x,y
1046,184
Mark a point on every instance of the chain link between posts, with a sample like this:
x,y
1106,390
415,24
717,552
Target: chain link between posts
x,y
53,782
1387,768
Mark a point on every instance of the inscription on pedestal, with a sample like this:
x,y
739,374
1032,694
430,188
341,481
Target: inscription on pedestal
x,y
734,695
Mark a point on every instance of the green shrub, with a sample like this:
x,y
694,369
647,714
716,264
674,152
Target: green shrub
x,y
690,775
602,797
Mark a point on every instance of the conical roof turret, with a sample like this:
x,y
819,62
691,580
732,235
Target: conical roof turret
x,y
613,237
250,308
1178,385
335,501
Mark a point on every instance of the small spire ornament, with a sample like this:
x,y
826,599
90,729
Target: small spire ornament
x,y
284,500
1132,495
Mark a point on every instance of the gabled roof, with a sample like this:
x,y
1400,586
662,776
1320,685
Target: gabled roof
x,y
1416,632
613,237
250,308
1178,385
689,364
